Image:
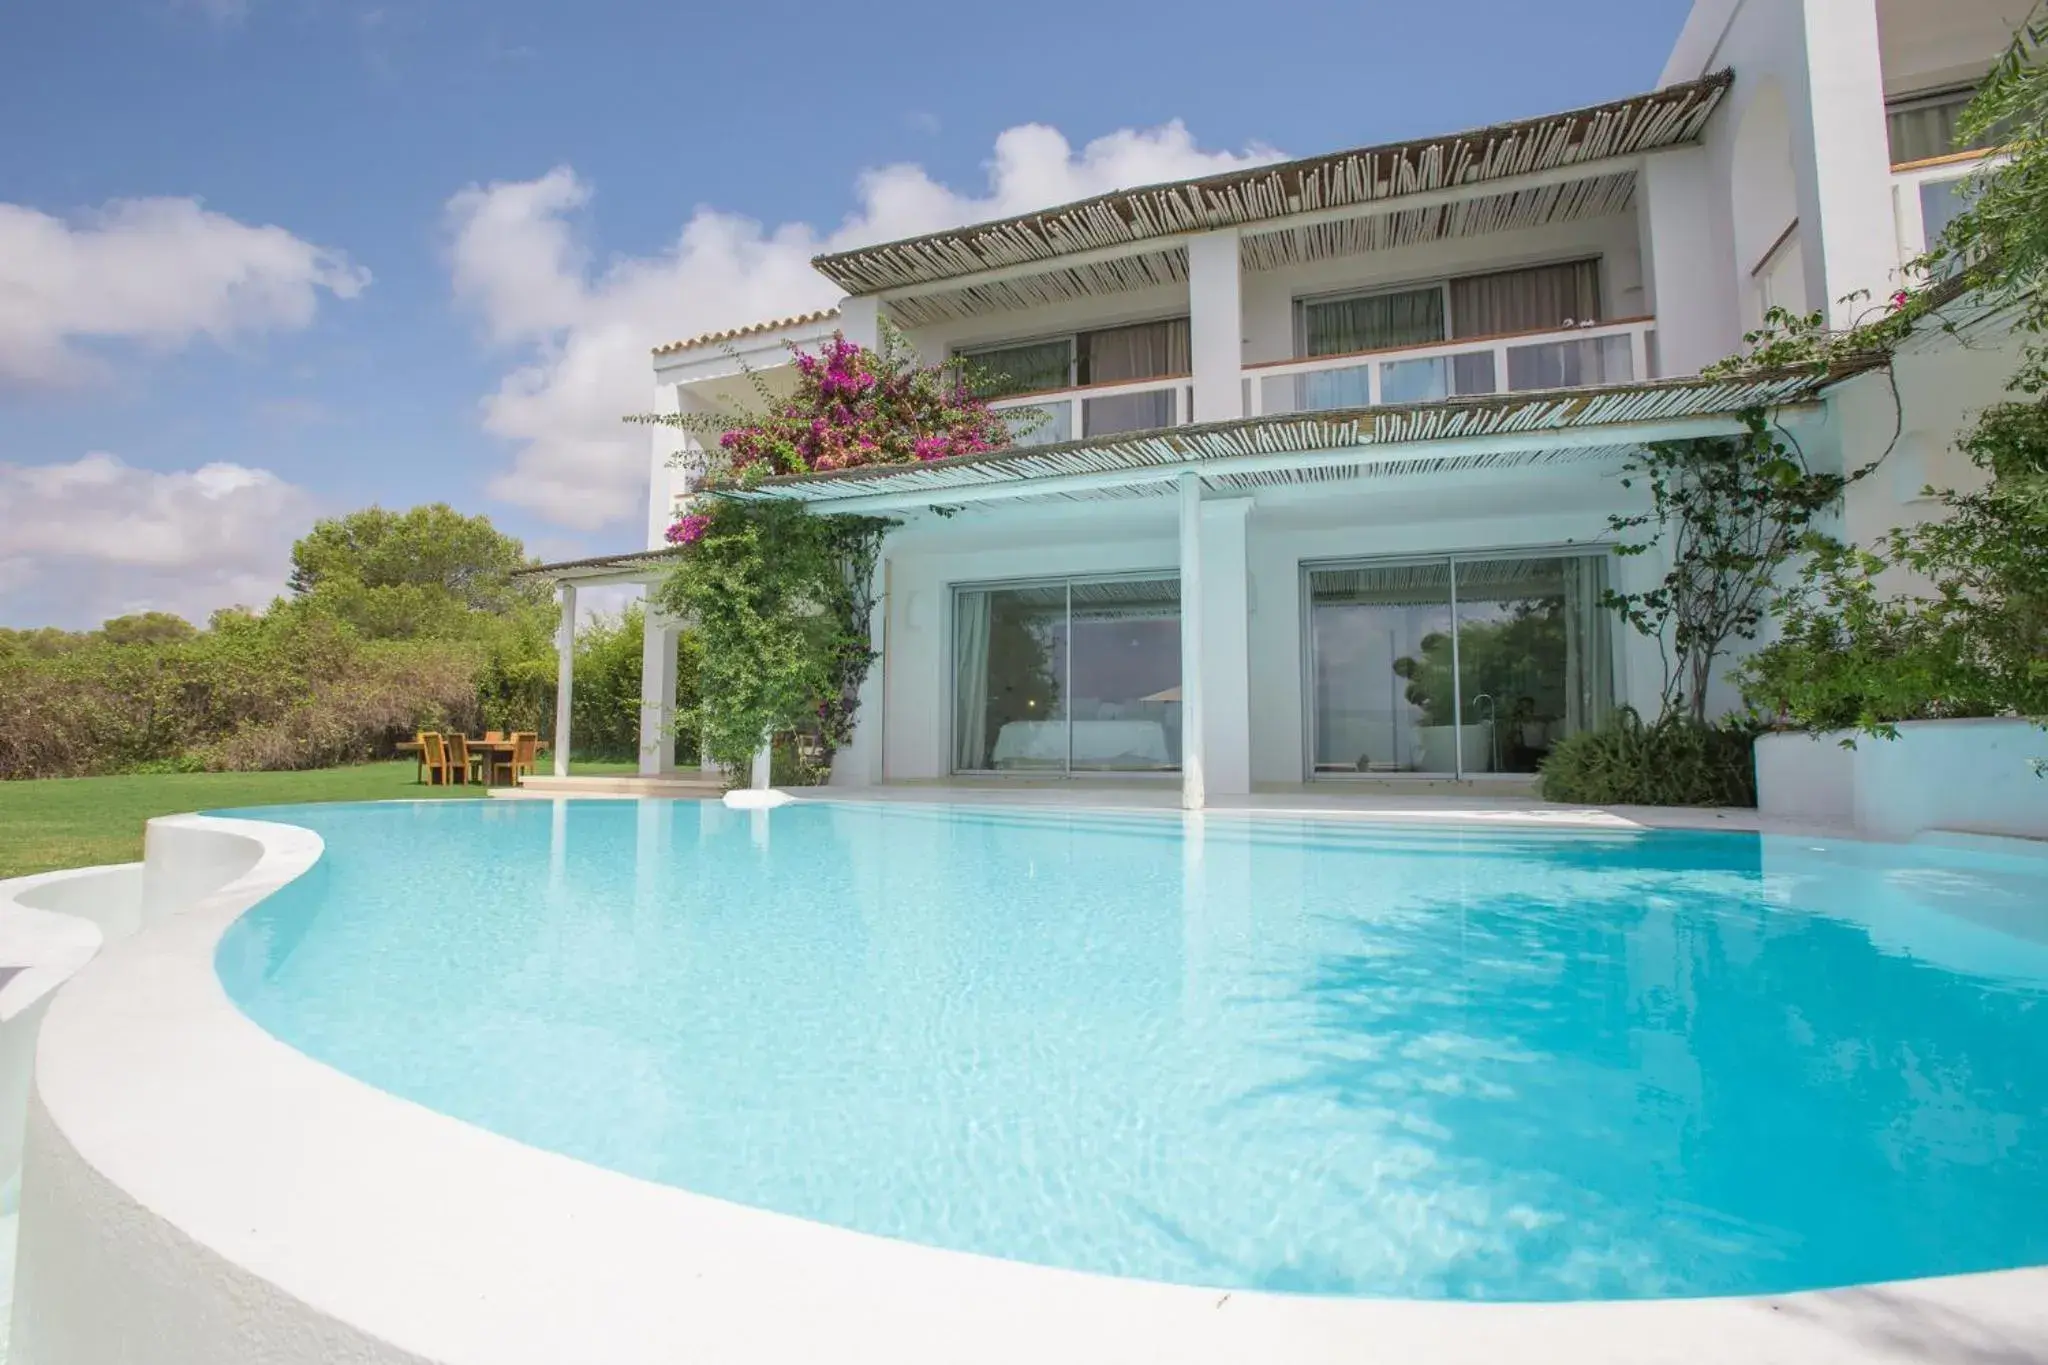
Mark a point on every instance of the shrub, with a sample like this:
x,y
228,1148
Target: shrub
x,y
358,711
1971,641
782,602
1675,761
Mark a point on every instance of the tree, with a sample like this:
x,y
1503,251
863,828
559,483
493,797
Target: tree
x,y
403,574
147,628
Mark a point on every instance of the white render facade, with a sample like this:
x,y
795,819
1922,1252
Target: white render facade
x,y
1323,483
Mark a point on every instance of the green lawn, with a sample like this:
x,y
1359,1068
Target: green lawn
x,y
78,821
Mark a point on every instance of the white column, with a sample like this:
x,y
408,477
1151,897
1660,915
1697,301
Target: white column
x,y
1226,649
665,482
763,774
859,764
657,694
565,675
1844,166
1216,326
1688,260
1193,728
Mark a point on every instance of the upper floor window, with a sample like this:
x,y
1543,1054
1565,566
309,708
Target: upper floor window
x,y
1107,355
1923,127
1499,303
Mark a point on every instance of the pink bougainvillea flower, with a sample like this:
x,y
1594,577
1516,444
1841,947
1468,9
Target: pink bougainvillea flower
x,y
690,529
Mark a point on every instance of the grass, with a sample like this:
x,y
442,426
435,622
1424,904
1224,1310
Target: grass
x,y
80,821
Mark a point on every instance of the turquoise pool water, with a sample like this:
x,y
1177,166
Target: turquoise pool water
x,y
1241,1052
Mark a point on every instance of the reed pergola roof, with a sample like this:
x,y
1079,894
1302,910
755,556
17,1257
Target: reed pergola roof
x,y
1486,431
1361,177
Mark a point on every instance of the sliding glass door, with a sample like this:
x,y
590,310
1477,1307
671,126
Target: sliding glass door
x,y
1454,667
1067,675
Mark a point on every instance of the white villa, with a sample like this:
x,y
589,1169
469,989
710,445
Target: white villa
x,y
1324,485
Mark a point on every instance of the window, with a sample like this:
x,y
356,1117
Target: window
x,y
1372,322
1033,367
1455,666
1779,279
1924,127
1067,675
1108,355
1541,299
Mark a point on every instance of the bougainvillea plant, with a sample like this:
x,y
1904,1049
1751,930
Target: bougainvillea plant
x,y
852,406
781,603
781,600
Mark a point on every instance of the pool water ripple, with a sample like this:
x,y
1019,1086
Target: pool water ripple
x,y
1248,1052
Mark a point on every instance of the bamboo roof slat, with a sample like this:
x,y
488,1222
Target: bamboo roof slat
x,y
1361,176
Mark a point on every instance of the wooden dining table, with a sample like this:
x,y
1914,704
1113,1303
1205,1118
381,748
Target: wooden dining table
x,y
488,749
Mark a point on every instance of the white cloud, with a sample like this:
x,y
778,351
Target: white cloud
x,y
97,537
156,271
584,330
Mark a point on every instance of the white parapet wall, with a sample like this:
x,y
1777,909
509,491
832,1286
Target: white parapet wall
x,y
1937,776
53,923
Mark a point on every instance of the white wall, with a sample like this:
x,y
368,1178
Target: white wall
x,y
1536,508
1448,515
1269,295
1929,44
1808,88
928,557
1940,390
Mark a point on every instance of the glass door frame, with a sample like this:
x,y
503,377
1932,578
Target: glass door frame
x,y
1067,581
1307,568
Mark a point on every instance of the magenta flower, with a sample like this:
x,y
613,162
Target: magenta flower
x,y
689,530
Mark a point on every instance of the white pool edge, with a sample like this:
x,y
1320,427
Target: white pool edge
x,y
198,1193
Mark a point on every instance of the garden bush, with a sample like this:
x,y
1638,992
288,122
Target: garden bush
x,y
1674,761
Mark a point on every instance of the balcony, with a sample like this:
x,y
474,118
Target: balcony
x,y
1606,353
1566,358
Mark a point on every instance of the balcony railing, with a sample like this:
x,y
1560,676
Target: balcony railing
x,y
1103,409
1604,353
1572,357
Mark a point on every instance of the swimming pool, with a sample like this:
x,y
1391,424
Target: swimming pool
x,y
1241,1052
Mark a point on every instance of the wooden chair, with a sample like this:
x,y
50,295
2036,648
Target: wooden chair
x,y
494,735
525,748
459,758
433,759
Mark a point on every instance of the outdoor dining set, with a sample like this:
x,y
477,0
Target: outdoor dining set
x,y
498,759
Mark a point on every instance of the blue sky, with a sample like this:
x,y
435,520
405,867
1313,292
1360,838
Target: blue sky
x,y
479,215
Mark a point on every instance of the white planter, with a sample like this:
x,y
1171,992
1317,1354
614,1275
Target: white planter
x,y
1436,748
1806,777
1965,776
1974,776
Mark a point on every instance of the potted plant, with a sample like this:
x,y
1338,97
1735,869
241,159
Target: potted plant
x,y
1432,690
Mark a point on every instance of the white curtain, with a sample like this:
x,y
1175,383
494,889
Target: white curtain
x,y
970,681
1588,645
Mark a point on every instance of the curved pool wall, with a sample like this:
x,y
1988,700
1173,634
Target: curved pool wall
x,y
199,1192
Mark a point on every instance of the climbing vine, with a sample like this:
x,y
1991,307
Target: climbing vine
x,y
1730,511
781,603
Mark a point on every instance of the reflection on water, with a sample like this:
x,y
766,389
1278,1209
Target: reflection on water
x,y
1222,1050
